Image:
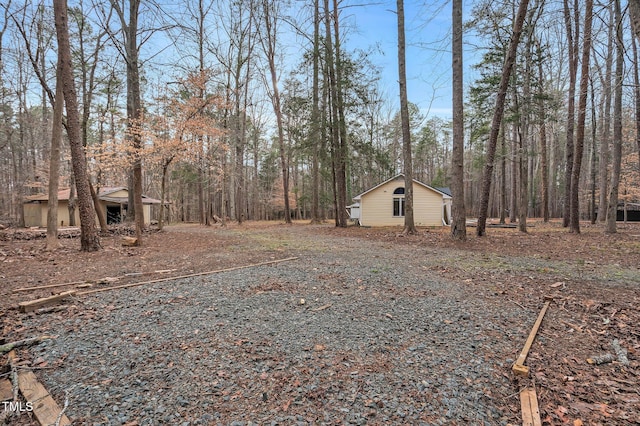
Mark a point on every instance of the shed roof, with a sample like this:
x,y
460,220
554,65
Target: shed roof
x,y
401,175
63,195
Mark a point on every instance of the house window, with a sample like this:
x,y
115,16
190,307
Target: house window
x,y
398,202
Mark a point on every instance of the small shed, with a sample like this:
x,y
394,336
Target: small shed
x,y
113,202
383,205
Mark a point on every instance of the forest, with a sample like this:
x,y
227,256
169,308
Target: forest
x,y
193,103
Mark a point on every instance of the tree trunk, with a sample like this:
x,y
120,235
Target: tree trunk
x,y
636,87
54,163
612,209
497,116
503,175
315,118
134,108
593,164
603,172
163,186
544,166
332,95
89,240
71,204
572,41
101,214
343,153
458,210
513,196
271,32
409,224
582,114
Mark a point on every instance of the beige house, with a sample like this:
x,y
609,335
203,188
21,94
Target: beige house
x,y
113,202
383,205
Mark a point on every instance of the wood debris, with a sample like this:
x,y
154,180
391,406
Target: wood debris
x,y
197,274
529,406
321,308
518,367
620,356
129,241
621,353
6,390
25,342
45,408
32,305
600,359
37,398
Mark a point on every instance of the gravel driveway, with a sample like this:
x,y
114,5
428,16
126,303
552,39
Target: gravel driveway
x,y
351,332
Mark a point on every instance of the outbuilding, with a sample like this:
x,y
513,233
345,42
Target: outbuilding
x,y
113,202
384,204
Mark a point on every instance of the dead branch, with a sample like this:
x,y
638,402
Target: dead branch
x,y
600,359
15,384
621,353
64,408
321,308
25,342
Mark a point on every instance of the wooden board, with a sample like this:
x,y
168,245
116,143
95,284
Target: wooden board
x,y
6,390
32,305
518,367
197,274
44,407
529,405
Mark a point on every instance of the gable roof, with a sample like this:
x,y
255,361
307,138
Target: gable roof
x,y
401,175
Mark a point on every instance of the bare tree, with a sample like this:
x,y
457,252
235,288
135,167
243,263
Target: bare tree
x,y
409,224
573,33
544,163
315,118
605,132
89,239
458,211
582,113
612,210
54,162
268,41
636,82
130,53
497,116
340,123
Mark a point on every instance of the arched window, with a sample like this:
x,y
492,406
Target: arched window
x,y
398,202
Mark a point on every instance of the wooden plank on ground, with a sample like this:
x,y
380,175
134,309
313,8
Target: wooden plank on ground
x,y
529,405
197,274
45,408
41,287
518,367
6,390
32,305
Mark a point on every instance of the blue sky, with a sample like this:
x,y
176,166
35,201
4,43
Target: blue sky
x,y
428,34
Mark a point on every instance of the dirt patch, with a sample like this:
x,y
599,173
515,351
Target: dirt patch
x,y
594,280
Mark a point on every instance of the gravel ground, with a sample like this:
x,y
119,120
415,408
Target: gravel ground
x,y
356,334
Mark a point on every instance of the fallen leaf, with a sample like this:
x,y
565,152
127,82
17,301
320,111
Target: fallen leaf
x,y
286,405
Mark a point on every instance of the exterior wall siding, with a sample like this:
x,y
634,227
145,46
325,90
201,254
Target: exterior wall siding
x,y
36,213
376,207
